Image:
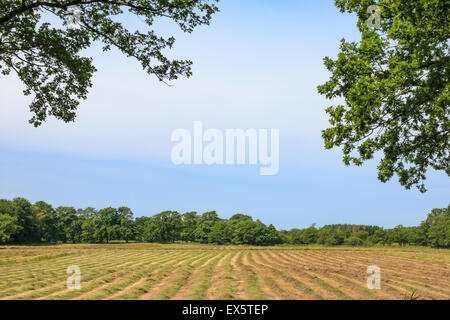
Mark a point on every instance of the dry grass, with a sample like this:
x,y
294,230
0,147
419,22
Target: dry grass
x,y
186,271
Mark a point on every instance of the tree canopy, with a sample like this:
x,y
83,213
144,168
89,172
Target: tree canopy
x,y
394,83
46,55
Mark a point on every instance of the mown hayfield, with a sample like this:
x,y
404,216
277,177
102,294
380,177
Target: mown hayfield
x,y
149,271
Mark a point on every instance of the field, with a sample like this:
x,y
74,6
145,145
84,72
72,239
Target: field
x,y
149,271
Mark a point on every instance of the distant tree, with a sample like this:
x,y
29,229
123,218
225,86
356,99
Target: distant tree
x,y
389,236
363,235
47,221
268,236
139,228
9,227
88,225
9,222
379,236
330,237
67,224
189,224
106,221
163,227
309,235
353,241
21,222
303,236
29,233
284,236
416,236
126,231
150,231
295,236
438,222
220,233
243,229
204,225
399,235
394,84
244,232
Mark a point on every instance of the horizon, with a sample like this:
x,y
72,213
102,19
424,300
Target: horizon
x,y
256,66
227,218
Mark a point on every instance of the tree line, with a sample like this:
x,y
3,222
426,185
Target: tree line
x,y
22,222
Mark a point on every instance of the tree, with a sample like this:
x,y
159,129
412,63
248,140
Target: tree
x,y
88,224
21,222
139,228
163,227
330,237
303,236
242,229
416,236
125,224
46,57
353,241
438,228
47,221
396,89
267,236
188,226
379,236
399,235
309,235
295,236
9,227
68,228
105,221
149,231
244,232
220,233
26,218
363,235
204,225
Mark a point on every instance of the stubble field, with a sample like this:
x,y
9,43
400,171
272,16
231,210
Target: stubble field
x,y
149,271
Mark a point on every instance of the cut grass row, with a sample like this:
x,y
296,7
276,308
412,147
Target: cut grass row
x,y
196,272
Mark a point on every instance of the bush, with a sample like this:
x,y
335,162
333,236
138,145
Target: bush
x,y
353,241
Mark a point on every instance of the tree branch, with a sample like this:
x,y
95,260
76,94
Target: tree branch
x,y
26,7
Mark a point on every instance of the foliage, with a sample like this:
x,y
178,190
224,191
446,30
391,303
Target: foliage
x,y
204,226
303,236
396,90
8,227
23,222
41,42
353,241
189,223
438,227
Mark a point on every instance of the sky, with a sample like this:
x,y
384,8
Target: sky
x,y
256,66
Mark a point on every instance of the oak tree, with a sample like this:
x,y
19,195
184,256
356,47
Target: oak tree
x,y
394,84
41,41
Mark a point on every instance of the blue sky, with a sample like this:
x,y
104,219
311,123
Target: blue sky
x,y
256,66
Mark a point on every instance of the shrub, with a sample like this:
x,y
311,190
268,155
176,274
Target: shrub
x,y
353,241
